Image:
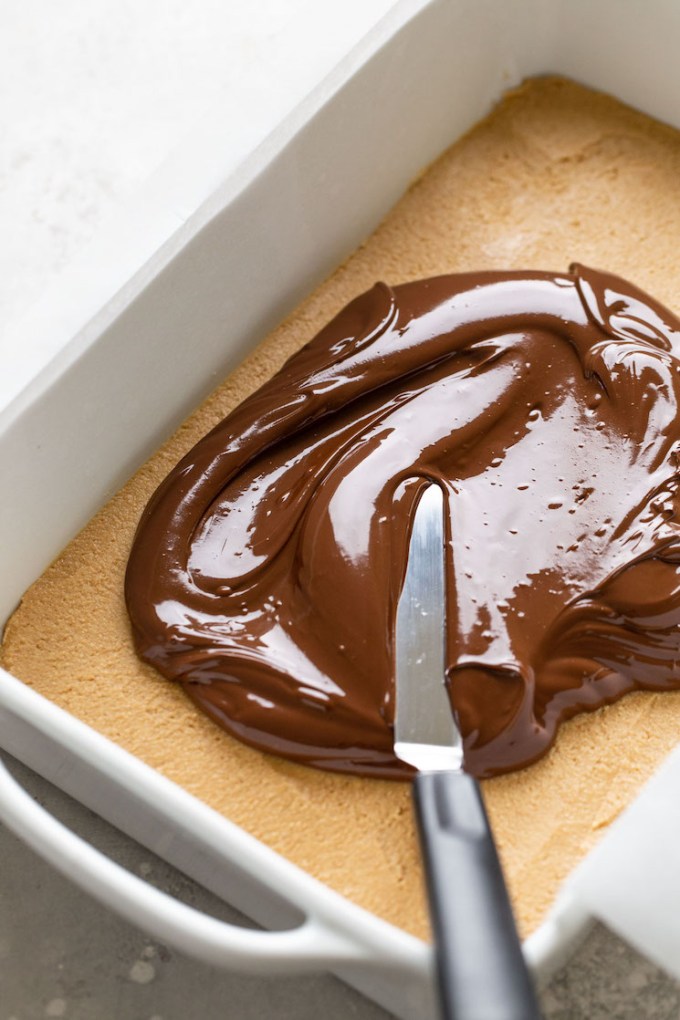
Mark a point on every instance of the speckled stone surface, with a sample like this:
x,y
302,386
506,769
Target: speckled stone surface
x,y
62,955
606,979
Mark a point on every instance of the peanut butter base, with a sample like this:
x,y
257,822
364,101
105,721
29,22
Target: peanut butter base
x,y
555,174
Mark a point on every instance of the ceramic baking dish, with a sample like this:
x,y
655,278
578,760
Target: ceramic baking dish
x,y
85,404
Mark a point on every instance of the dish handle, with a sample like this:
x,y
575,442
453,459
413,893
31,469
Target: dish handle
x,y
318,942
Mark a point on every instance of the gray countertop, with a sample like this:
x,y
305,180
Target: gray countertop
x,y
63,955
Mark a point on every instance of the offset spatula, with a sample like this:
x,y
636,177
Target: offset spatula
x,y
481,969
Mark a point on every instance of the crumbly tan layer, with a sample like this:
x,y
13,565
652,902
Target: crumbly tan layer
x,y
555,174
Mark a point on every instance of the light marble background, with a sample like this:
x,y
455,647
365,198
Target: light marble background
x,y
94,95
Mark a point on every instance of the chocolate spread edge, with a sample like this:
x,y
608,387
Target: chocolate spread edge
x,y
266,569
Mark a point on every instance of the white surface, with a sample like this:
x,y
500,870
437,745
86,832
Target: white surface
x,y
94,95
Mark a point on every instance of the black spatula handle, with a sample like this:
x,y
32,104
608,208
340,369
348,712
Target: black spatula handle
x,y
482,972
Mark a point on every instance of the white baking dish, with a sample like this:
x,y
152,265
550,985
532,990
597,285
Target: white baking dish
x,y
235,247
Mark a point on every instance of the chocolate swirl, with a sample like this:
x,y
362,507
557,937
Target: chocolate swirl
x,y
266,569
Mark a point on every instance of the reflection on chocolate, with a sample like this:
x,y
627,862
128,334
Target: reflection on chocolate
x,y
266,568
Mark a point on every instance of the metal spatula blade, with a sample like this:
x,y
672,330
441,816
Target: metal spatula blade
x,y
481,970
425,734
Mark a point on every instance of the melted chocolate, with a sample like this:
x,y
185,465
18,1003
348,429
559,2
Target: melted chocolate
x,y
266,568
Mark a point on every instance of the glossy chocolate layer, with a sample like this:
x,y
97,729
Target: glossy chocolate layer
x,y
266,569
